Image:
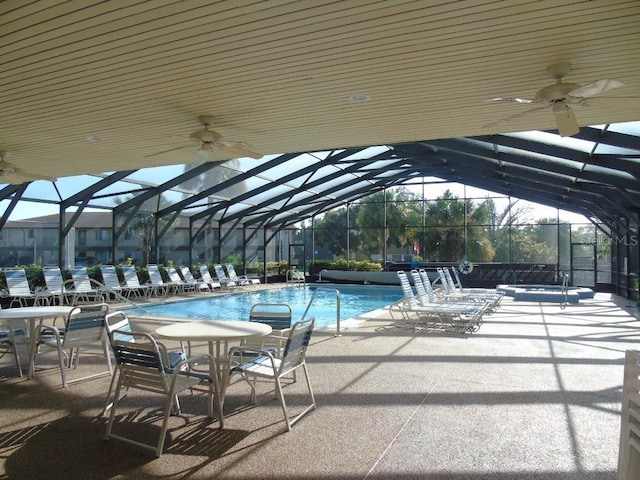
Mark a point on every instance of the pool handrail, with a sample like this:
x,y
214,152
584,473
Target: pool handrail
x,y
313,297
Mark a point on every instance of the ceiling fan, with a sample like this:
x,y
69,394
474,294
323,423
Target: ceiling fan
x,y
9,173
560,96
209,139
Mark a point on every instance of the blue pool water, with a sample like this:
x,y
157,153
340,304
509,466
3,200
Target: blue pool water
x,y
354,300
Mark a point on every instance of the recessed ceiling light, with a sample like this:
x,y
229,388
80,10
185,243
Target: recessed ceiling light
x,y
359,97
94,138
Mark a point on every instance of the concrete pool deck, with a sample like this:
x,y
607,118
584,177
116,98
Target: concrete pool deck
x,y
534,394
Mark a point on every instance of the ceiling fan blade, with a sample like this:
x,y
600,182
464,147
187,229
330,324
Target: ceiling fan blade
x,y
239,148
617,102
595,88
168,151
510,100
565,119
513,117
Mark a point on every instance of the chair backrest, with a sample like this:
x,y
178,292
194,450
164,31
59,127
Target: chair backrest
x,y
110,276
204,273
444,282
154,274
81,281
449,280
130,276
140,362
426,283
17,282
174,276
297,343
277,315
187,275
118,327
86,324
220,273
231,271
417,282
53,279
456,278
409,296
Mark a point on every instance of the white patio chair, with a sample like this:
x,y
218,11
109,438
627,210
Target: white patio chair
x,y
267,366
118,321
178,282
157,283
54,282
141,366
241,281
13,334
84,325
133,282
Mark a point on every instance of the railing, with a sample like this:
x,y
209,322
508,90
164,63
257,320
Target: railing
x,y
313,297
565,290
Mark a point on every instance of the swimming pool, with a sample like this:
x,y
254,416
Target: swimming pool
x,y
355,300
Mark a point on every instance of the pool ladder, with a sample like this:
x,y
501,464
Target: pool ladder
x,y
313,297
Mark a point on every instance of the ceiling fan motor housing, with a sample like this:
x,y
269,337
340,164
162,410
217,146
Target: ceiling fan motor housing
x,y
205,136
555,92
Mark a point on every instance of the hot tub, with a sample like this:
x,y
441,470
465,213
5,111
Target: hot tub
x,y
545,293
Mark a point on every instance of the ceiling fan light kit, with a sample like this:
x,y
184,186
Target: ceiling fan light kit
x,y
559,97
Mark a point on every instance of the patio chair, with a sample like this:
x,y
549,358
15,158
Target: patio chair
x,y
463,317
241,281
54,282
206,277
20,291
84,325
141,366
120,322
199,285
11,336
84,288
267,366
225,282
279,317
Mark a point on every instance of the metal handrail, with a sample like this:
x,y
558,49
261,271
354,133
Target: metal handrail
x,y
313,297
565,291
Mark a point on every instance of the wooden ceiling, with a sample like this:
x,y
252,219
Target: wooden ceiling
x,y
94,86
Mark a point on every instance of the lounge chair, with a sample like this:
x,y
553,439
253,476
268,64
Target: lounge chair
x,y
240,281
111,282
84,288
199,285
225,282
54,285
178,282
296,276
15,334
156,282
206,277
451,291
267,366
133,282
20,291
461,317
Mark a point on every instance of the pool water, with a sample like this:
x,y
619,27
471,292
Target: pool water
x,y
355,300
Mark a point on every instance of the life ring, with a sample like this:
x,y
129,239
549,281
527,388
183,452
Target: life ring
x,y
465,267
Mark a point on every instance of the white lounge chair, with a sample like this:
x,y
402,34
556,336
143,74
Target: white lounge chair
x,y
450,290
178,282
84,288
200,286
451,316
156,282
20,291
206,277
225,282
55,285
241,280
133,282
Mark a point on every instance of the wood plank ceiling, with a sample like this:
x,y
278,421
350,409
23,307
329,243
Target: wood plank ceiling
x,y
95,86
